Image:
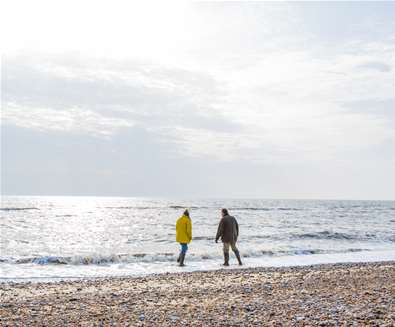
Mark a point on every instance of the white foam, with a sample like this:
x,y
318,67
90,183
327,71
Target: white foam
x,y
34,273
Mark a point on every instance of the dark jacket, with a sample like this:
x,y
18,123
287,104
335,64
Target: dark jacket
x,y
228,230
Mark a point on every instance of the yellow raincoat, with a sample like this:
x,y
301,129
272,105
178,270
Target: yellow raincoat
x,y
184,230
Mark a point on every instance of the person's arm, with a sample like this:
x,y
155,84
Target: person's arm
x,y
189,229
220,230
237,228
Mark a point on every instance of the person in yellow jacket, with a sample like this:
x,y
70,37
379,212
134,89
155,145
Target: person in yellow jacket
x,y
183,235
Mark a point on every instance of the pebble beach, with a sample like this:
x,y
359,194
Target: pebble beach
x,y
358,294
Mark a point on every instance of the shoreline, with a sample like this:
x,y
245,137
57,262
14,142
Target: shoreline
x,y
221,269
323,294
135,270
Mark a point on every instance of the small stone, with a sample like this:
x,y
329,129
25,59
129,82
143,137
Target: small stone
x,y
247,308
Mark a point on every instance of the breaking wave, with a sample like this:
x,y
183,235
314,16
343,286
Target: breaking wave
x,y
132,207
97,259
18,209
251,209
158,257
327,235
322,235
179,207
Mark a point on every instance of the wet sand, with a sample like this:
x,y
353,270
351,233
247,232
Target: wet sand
x,y
326,295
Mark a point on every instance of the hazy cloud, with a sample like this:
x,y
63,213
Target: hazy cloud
x,y
52,93
282,99
379,66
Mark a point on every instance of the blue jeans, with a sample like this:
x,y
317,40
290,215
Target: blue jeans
x,y
184,248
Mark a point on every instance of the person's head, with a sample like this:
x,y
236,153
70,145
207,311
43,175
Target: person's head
x,y
224,212
186,213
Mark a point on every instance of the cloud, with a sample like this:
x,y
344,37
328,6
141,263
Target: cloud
x,y
291,105
238,85
68,120
378,66
286,105
118,94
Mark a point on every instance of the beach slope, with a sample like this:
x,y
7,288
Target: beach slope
x,y
325,295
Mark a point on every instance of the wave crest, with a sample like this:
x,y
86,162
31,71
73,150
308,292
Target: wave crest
x,y
327,235
97,259
19,209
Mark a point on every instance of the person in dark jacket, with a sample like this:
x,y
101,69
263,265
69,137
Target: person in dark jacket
x,y
228,231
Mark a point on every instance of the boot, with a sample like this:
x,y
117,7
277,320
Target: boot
x,y
237,253
226,259
179,257
182,258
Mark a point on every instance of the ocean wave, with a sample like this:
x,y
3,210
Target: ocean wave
x,y
327,235
251,209
180,207
238,208
19,209
155,207
265,209
298,252
204,238
183,207
322,235
189,207
132,207
97,259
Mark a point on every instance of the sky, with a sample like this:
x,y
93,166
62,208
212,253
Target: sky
x,y
198,99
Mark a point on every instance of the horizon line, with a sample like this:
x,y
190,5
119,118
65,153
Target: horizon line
x,y
194,197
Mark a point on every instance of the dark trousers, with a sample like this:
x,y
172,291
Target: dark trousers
x,y
229,245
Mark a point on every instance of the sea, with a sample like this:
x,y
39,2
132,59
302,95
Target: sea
x,y
51,238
